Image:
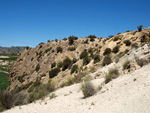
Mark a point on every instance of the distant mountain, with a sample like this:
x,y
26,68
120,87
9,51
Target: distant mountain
x,y
11,50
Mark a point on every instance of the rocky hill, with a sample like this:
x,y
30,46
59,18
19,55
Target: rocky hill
x,y
59,63
11,50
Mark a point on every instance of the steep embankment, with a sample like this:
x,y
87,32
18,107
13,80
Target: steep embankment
x,y
48,61
127,94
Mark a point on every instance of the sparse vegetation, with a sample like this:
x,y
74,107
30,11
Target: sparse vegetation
x,y
71,48
126,65
141,62
59,49
107,51
86,60
71,39
37,68
47,50
139,28
134,45
53,64
107,60
74,60
86,41
96,58
60,64
74,68
115,49
4,81
83,54
20,78
54,72
112,74
127,42
87,89
66,63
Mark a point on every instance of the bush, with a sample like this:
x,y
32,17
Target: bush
x,y
91,36
71,39
107,51
126,65
86,60
37,68
10,99
56,40
59,49
71,48
54,72
127,42
141,62
86,41
139,28
112,74
20,78
66,63
83,54
96,59
134,45
74,68
60,64
64,39
115,49
87,89
53,64
40,91
47,50
90,50
107,60
74,60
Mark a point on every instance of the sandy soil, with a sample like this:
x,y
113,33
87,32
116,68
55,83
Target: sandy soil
x,y
129,93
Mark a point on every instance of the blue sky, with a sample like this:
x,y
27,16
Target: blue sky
x,y
29,22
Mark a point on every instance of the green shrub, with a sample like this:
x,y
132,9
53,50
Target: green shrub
x,y
139,28
54,72
107,60
59,49
64,39
91,36
86,60
74,68
53,51
66,63
127,42
71,39
126,65
96,59
11,99
83,54
115,49
90,50
86,41
27,48
60,64
134,45
71,48
112,74
43,75
53,64
47,50
107,51
128,31
118,33
37,68
74,60
20,78
87,89
56,40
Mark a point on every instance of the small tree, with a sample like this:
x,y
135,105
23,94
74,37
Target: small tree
x,y
107,51
59,49
53,64
66,63
37,68
74,68
71,39
54,72
115,49
139,28
83,54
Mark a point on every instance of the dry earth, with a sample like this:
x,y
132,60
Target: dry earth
x,y
128,93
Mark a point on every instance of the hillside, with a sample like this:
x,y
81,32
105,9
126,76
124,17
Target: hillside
x,y
60,63
11,50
